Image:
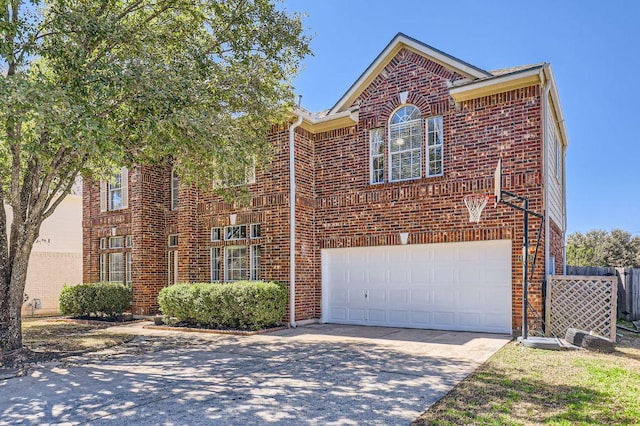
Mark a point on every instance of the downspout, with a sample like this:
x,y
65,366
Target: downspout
x,y
564,212
292,223
545,145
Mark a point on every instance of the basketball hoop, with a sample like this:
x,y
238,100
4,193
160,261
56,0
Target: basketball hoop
x,y
475,203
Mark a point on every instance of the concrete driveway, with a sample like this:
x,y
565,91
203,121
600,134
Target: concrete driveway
x,y
318,374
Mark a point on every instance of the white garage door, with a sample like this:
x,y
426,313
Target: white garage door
x,y
449,286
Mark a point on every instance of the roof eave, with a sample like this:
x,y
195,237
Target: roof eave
x,y
498,84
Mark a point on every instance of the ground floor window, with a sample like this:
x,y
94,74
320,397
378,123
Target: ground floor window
x,y
215,264
255,263
116,268
116,260
235,263
172,267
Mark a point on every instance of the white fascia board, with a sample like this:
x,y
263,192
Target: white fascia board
x,y
556,104
485,84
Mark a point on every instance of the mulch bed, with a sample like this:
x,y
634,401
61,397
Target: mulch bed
x,y
195,328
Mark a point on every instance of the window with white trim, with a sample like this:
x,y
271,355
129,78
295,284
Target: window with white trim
x,y
128,241
405,144
129,260
173,240
172,267
376,155
116,242
235,263
216,234
174,190
114,194
434,146
235,232
103,243
103,267
116,268
254,273
256,231
215,264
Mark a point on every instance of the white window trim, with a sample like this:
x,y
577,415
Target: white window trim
x,y
420,149
103,243
174,189
213,256
113,240
439,119
235,239
220,233
103,267
106,189
252,234
373,156
172,266
172,240
113,273
254,262
227,250
128,267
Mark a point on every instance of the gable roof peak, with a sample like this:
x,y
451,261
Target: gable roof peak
x,y
400,41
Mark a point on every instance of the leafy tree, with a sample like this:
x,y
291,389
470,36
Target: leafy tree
x,y
601,248
87,86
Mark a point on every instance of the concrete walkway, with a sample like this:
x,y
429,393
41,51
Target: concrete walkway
x,y
319,374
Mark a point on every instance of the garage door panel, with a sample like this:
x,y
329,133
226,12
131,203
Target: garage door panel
x,y
399,317
450,286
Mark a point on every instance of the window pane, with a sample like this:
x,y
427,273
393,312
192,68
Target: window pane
x,y
174,190
255,262
129,267
116,268
256,231
215,264
405,143
116,242
215,234
235,263
235,232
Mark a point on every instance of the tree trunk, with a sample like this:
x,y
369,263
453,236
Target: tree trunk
x,y
11,300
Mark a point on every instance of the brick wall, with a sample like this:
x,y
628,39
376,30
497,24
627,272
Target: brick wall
x,y
336,204
352,212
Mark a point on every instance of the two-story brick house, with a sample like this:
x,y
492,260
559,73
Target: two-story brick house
x,y
360,212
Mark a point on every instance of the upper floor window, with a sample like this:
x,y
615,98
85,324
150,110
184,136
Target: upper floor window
x,y
114,194
376,155
405,144
174,190
235,232
434,146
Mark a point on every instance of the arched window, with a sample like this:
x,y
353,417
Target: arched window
x,y
405,144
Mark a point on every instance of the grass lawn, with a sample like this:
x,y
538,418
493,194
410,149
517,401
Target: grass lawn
x,y
525,386
49,339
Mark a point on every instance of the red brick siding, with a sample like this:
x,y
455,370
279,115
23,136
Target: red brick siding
x,y
336,204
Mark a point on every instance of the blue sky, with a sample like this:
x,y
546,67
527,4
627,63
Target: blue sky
x,y
591,45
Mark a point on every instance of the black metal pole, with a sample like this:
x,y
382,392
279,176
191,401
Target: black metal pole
x,y
525,267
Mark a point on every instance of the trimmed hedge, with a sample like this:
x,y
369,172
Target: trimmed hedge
x,y
241,305
95,299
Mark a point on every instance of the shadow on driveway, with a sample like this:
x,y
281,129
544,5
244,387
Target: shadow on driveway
x,y
319,374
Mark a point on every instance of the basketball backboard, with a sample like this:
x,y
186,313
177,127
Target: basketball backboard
x,y
497,182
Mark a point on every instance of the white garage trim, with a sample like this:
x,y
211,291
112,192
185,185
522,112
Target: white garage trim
x,y
449,286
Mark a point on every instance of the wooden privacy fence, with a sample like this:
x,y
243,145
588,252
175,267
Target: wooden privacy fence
x,y
628,282
586,303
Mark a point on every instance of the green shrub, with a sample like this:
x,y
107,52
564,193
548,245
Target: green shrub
x,y
95,299
241,304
